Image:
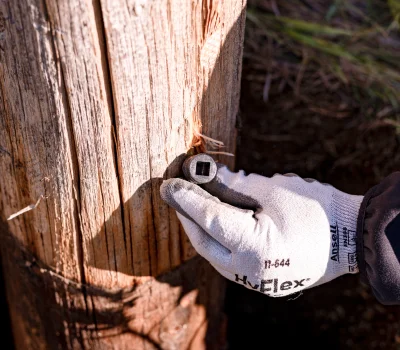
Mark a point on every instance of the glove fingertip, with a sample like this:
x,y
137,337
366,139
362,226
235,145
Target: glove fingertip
x,y
178,193
169,187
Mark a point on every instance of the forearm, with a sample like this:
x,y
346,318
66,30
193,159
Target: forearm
x,y
378,239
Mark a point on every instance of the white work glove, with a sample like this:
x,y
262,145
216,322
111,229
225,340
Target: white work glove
x,y
276,235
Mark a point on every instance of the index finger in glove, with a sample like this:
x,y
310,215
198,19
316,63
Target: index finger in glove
x,y
225,223
237,189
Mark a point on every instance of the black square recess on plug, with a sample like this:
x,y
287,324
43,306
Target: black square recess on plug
x,y
203,168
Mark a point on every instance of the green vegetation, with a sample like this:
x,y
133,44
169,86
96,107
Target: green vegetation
x,y
343,47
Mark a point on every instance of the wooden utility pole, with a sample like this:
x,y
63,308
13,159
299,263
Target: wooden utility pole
x,y
99,100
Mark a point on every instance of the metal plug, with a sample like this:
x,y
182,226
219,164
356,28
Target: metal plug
x,y
199,169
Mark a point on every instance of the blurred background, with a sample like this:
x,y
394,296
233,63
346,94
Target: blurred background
x,y
320,98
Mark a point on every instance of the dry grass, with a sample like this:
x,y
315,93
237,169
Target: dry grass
x,y
336,57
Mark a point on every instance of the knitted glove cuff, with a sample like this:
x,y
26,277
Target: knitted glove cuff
x,y
344,209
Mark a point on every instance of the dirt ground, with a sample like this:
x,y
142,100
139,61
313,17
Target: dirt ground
x,y
353,154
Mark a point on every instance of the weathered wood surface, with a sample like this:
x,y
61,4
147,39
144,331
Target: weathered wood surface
x,y
98,101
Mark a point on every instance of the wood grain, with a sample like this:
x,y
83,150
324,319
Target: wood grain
x,y
99,101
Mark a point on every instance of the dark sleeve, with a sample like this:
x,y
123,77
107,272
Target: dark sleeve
x,y
378,240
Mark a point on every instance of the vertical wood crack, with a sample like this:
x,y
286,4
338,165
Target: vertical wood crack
x,y
110,100
75,171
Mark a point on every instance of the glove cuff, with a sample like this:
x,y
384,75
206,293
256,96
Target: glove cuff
x,y
343,227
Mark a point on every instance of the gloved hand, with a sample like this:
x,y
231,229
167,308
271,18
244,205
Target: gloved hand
x,y
275,235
